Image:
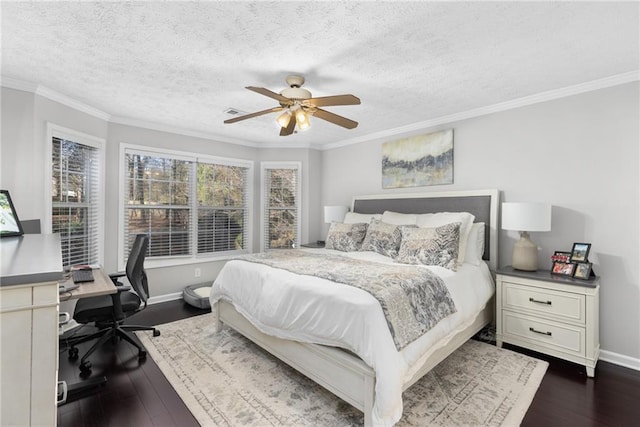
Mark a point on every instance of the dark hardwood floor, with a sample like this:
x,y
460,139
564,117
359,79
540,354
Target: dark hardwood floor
x,y
137,394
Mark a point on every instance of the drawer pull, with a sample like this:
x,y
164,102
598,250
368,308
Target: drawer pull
x,y
540,302
541,333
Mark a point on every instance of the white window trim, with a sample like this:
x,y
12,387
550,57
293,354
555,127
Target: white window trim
x,y
57,131
280,165
187,156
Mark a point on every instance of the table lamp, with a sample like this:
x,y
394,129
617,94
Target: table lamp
x,y
334,214
525,217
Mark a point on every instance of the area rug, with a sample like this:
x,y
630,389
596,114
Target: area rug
x,y
226,380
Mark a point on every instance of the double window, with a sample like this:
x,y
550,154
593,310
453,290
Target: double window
x,y
75,189
188,205
281,205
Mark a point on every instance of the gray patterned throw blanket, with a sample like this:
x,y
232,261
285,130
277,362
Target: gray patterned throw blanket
x,y
413,299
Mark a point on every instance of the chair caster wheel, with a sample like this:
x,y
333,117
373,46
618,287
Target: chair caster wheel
x,y
73,353
85,369
142,355
156,333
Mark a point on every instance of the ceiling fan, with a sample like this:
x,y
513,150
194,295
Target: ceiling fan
x,y
297,106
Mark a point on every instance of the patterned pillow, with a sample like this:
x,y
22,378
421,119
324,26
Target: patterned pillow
x,y
431,246
345,237
382,238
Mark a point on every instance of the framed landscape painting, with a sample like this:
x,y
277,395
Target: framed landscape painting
x,y
418,161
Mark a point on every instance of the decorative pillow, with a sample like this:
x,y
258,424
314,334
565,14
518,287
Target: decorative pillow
x,y
475,246
345,237
441,218
356,218
430,246
399,218
382,238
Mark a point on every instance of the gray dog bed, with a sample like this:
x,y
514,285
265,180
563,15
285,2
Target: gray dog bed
x,y
197,295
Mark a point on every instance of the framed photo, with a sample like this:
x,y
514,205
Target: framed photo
x,y
583,270
563,268
561,256
580,252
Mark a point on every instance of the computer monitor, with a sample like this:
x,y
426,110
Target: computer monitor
x,y
9,222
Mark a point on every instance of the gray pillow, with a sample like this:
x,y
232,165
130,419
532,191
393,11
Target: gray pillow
x,y
345,237
431,246
382,238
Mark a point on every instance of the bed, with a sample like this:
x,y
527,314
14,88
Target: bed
x,y
360,363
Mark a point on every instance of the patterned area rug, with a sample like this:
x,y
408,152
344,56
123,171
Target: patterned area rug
x,y
226,380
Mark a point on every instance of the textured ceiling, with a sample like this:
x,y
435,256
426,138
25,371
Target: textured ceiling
x,y
182,64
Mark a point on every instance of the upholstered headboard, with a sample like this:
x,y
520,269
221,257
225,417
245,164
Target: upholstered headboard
x,y
483,204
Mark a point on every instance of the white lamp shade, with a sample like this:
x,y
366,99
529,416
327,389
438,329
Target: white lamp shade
x,y
526,216
335,213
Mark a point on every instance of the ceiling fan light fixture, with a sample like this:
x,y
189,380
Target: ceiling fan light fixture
x,y
284,119
302,120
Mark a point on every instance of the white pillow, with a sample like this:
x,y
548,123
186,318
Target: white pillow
x,y
396,218
475,245
442,218
357,218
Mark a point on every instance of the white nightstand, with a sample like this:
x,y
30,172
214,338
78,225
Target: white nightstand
x,y
551,314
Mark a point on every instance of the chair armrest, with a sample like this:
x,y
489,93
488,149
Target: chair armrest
x,y
123,288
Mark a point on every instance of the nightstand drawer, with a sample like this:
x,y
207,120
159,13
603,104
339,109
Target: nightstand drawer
x,y
565,338
549,303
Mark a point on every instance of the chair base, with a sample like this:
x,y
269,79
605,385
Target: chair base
x,y
104,335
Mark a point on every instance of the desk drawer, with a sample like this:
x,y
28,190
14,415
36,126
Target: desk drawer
x,y
545,333
545,302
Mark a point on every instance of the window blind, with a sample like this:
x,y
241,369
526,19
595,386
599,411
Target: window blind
x,y
281,205
75,197
189,206
223,207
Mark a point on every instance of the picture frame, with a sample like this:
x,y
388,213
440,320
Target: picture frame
x,y
583,270
563,268
580,252
562,256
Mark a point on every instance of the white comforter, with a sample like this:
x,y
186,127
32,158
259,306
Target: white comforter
x,y
310,309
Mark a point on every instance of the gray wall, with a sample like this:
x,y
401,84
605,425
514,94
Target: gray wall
x,y
579,153
23,152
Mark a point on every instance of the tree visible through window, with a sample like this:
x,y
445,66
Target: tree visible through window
x,y
74,196
281,198
187,206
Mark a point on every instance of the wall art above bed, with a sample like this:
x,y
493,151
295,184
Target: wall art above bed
x,y
418,161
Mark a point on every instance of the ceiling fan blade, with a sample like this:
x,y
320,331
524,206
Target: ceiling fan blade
x,y
270,94
290,127
335,119
325,101
256,114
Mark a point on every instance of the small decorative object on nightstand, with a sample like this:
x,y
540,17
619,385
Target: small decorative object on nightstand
x,y
551,314
315,245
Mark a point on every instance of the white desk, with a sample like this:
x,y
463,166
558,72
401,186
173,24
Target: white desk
x,y
31,269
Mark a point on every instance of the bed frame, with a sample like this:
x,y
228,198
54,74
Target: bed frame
x,y
342,372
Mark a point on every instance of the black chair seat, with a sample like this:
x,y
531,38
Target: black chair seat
x,y
108,312
101,307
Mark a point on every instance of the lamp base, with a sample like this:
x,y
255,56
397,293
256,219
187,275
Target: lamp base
x,y
525,254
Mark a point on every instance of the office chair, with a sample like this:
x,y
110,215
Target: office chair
x,y
108,312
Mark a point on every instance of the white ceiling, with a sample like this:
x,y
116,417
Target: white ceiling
x,y
182,64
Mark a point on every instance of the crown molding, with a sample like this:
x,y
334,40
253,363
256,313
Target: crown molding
x,y
45,92
550,95
632,76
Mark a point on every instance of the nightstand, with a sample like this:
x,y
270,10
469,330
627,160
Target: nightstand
x,y
551,314
315,245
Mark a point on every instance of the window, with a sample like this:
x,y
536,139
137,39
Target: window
x,y
281,205
189,206
76,188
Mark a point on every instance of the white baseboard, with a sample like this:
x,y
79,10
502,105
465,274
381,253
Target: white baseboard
x,y
607,356
620,359
165,298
